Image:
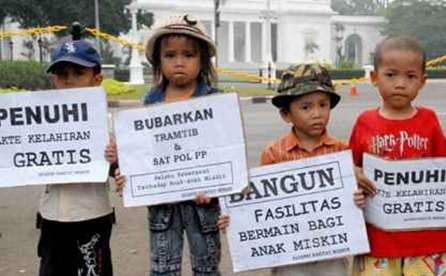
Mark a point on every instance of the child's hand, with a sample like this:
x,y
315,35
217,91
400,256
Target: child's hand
x,y
111,151
201,198
223,222
359,198
120,181
364,183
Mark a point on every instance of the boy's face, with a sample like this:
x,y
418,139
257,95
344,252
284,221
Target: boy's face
x,y
180,60
309,114
399,78
69,75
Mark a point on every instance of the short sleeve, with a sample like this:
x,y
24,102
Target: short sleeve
x,y
355,145
438,139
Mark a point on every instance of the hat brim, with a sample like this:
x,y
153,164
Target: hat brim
x,y
281,101
150,45
70,59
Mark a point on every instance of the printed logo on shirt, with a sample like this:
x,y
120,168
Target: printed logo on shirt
x,y
386,143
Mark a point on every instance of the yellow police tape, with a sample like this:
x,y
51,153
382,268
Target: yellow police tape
x,y
239,74
119,40
32,31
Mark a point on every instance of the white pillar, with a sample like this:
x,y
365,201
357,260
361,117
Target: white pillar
x,y
231,41
263,42
212,31
247,41
136,68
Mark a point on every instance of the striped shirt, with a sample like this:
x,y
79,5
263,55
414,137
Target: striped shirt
x,y
288,148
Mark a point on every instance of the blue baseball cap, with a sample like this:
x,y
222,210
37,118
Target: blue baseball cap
x,y
79,52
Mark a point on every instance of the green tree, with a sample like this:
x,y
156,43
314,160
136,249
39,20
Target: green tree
x,y
359,7
114,18
424,19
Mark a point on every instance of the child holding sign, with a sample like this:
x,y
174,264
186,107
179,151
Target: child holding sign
x,y
76,218
180,53
399,75
306,97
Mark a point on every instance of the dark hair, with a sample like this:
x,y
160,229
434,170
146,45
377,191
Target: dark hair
x,y
406,43
291,98
207,73
61,67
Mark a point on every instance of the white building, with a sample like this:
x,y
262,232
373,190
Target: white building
x,y
301,30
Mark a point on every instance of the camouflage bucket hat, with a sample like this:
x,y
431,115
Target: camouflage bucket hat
x,y
302,79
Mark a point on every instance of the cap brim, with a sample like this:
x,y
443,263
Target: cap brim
x,y
281,101
70,59
150,45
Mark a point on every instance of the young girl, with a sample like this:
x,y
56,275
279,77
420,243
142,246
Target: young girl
x,y
180,53
399,75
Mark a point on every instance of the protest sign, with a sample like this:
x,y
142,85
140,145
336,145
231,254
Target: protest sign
x,y
170,152
411,193
53,137
296,212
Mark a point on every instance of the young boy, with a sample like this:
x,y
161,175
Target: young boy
x,y
399,75
76,218
306,96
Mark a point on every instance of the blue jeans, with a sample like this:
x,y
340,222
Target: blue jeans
x,y
167,224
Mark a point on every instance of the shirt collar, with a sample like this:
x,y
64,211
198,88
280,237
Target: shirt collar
x,y
292,142
157,94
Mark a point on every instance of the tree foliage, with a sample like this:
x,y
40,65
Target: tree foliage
x,y
33,13
358,7
424,19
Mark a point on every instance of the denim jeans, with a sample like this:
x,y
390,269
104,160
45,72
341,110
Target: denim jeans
x,y
167,224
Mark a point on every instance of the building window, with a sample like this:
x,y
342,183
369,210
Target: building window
x,y
353,49
310,44
239,41
256,41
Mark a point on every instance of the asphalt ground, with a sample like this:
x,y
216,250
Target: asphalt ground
x,y
19,237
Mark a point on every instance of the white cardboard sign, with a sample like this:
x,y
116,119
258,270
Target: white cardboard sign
x,y
170,152
296,212
53,137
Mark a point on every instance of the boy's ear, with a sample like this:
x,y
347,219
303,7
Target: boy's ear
x,y
285,114
373,76
98,78
424,79
54,80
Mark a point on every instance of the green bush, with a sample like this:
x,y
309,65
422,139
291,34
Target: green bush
x,y
436,73
23,75
114,87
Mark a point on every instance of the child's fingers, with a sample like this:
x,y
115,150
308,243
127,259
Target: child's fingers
x,y
364,183
110,152
120,181
368,187
223,223
359,198
201,198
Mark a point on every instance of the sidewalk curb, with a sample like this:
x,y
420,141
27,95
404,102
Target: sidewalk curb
x,y
136,103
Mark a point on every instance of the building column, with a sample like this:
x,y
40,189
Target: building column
x,y
230,41
212,32
247,41
135,66
263,40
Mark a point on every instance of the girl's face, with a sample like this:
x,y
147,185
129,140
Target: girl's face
x,y
180,61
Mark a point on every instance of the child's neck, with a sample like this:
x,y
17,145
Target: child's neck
x,y
176,91
307,142
397,114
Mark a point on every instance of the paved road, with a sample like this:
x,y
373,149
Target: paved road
x,y
129,240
